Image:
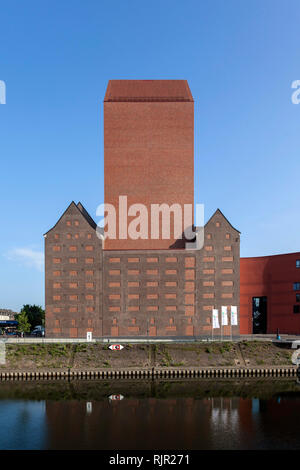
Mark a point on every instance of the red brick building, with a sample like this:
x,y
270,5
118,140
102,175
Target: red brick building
x,y
73,275
140,292
148,150
145,287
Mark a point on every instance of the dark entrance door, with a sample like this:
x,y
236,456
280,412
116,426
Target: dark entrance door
x,y
259,315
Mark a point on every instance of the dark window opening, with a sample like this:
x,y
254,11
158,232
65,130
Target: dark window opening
x,y
296,308
297,297
259,315
296,286
297,263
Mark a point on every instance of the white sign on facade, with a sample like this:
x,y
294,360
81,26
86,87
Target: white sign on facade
x,y
215,318
224,316
234,320
89,336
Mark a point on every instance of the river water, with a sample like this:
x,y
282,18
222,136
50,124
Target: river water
x,y
134,415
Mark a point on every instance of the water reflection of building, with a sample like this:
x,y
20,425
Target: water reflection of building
x,y
277,423
224,411
177,423
149,423
129,424
230,416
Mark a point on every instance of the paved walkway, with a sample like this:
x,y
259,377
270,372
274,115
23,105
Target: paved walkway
x,y
151,339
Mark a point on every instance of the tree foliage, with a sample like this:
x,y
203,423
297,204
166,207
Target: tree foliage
x,y
24,324
35,315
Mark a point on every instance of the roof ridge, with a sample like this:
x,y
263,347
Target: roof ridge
x,y
86,215
148,90
219,210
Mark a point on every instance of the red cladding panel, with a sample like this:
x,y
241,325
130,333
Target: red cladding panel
x,y
273,277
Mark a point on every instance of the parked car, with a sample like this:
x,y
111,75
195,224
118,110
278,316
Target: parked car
x,y
38,331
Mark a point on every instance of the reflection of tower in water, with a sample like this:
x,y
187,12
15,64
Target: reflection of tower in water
x,y
224,413
231,422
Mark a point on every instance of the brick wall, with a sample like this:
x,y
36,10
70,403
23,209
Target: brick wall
x,y
172,293
73,277
142,292
148,151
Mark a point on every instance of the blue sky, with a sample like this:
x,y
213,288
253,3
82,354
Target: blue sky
x,y
240,58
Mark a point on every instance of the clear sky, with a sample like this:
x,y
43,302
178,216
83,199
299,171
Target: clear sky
x,y
240,58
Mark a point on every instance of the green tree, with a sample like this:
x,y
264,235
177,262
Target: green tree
x,y
35,315
24,324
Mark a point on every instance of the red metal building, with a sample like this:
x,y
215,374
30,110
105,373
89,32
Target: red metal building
x,y
270,294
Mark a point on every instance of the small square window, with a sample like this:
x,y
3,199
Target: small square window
x,y
297,297
297,263
296,308
296,286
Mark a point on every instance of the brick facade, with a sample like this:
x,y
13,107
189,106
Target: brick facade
x,y
137,293
143,287
73,276
148,150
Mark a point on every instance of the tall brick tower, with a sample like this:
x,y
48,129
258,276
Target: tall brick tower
x,y
143,286
148,150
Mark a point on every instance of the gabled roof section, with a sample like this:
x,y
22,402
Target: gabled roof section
x,y
86,215
148,90
219,212
81,210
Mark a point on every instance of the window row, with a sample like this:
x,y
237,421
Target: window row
x,y
148,284
189,274
72,297
209,235
69,223
73,260
73,309
151,321
73,322
72,285
58,248
228,283
189,298
211,248
75,236
73,273
188,309
189,261
211,259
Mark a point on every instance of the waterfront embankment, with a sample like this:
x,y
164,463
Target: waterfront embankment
x,y
96,360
